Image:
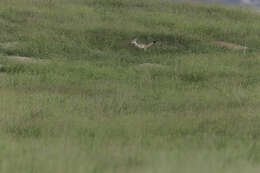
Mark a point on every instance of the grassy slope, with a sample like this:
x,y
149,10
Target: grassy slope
x,y
93,109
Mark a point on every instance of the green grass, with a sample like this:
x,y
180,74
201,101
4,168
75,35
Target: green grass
x,y
100,105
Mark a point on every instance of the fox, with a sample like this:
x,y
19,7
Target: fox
x,y
143,46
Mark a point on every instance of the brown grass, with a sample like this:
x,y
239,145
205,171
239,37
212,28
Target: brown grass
x,y
230,45
26,59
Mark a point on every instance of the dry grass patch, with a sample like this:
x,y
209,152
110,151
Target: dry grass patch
x,y
27,59
9,45
230,45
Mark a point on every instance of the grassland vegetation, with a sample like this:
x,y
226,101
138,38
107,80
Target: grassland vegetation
x,y
86,101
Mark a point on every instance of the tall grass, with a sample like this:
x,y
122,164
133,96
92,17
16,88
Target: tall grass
x,y
99,105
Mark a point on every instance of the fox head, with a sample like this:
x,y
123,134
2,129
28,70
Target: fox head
x,y
134,41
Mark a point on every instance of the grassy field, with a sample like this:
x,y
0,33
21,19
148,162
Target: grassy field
x,y
87,101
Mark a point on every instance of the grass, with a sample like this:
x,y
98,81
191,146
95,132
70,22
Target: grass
x,y
100,105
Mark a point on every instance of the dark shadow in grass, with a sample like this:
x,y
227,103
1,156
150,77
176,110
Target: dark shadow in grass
x,y
27,126
117,4
194,77
250,81
17,16
2,68
15,68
